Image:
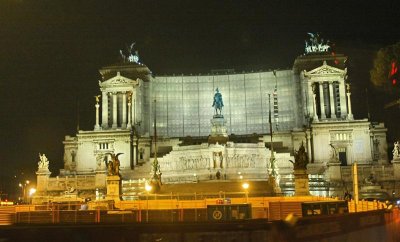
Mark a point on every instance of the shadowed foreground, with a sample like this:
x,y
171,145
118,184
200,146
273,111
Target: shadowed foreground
x,y
371,226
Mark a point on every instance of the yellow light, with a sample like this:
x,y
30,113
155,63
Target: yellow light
x,y
32,191
245,185
148,187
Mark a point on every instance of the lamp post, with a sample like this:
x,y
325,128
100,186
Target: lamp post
x,y
23,188
148,189
246,192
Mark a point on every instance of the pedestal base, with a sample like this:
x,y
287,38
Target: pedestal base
x,y
218,130
113,188
42,180
395,161
301,187
350,116
396,168
333,171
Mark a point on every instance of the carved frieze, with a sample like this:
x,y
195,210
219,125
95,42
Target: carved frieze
x,y
325,70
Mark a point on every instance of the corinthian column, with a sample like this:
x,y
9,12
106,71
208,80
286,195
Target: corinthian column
x,y
314,89
310,153
123,110
331,100
129,111
350,114
104,111
321,100
114,124
97,126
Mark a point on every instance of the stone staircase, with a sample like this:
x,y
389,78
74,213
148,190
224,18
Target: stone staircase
x,y
133,181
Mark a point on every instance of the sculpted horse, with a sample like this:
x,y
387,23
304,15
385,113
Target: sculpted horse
x,y
218,103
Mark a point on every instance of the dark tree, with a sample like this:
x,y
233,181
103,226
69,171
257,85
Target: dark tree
x,y
384,73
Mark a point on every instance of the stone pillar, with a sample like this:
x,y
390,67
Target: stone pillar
x,y
114,124
104,111
321,100
350,114
301,187
331,100
315,107
42,180
396,169
129,124
97,126
100,179
333,172
342,95
123,110
134,111
308,137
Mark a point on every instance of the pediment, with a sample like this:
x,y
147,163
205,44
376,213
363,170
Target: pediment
x,y
118,80
325,70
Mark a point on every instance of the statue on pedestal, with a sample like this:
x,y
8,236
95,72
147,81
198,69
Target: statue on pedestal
x,y
300,172
300,158
113,178
218,103
112,165
43,163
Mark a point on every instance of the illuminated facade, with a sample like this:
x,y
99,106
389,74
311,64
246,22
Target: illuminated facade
x,y
310,104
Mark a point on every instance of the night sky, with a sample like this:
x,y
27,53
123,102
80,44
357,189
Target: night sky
x,y
50,53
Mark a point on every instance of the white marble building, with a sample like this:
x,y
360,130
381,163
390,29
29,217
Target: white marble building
x,y
311,104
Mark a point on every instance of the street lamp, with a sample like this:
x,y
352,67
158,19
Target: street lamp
x,y
246,187
23,187
148,188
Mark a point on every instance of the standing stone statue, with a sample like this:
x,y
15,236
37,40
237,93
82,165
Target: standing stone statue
x,y
396,151
43,163
113,177
218,103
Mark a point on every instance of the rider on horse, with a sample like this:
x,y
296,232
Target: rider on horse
x,y
218,103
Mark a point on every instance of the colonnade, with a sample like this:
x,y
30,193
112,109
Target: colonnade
x,y
124,111
330,110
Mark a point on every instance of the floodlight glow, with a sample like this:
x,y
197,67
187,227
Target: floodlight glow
x,y
148,187
32,191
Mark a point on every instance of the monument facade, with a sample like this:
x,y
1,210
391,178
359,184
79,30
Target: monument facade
x,y
312,106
